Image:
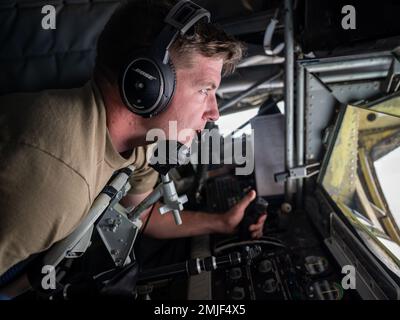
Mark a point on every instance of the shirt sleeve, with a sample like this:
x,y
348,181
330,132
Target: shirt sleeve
x,y
42,200
144,177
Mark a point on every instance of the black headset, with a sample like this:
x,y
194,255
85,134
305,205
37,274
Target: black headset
x,y
147,82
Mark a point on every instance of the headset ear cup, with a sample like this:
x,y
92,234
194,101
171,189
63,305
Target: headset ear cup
x,y
172,80
169,74
142,85
172,67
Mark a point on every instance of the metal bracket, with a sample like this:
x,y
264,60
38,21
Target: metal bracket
x,y
118,233
119,226
298,172
172,201
269,32
392,82
80,248
74,244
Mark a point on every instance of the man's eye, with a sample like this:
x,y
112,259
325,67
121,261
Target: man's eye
x,y
204,91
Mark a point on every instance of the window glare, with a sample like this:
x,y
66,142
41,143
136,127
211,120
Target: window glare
x,y
230,122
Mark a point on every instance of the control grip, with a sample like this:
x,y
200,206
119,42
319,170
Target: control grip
x,y
253,212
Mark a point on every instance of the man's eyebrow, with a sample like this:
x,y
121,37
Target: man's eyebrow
x,y
206,83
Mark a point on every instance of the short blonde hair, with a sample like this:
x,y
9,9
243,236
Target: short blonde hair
x,y
209,41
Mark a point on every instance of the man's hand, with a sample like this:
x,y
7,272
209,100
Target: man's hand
x,y
198,223
232,218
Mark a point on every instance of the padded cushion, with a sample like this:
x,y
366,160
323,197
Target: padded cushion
x,y
33,59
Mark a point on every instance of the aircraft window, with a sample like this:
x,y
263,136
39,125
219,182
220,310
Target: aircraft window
x,y
229,122
360,172
387,170
392,246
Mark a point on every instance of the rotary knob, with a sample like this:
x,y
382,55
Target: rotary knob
x,y
238,293
265,266
235,274
269,285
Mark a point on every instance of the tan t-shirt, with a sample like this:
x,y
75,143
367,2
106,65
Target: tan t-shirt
x,y
55,157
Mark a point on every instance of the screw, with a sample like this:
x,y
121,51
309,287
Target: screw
x,y
114,252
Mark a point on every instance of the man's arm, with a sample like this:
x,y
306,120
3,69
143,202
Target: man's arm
x,y
15,288
194,222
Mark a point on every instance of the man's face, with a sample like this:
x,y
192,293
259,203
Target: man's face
x,y
194,102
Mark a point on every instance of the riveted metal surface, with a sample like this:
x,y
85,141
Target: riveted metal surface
x,y
319,110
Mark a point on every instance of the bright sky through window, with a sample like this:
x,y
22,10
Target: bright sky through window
x,y
230,122
388,172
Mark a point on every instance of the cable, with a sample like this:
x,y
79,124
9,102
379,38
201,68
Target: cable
x,y
272,239
250,242
235,239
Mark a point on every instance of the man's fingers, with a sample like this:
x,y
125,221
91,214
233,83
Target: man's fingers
x,y
253,227
262,218
259,224
256,234
245,201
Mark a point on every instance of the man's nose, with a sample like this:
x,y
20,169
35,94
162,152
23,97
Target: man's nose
x,y
213,112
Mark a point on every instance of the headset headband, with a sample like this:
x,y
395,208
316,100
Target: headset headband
x,y
179,20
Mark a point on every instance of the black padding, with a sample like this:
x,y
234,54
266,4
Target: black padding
x,y
34,59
